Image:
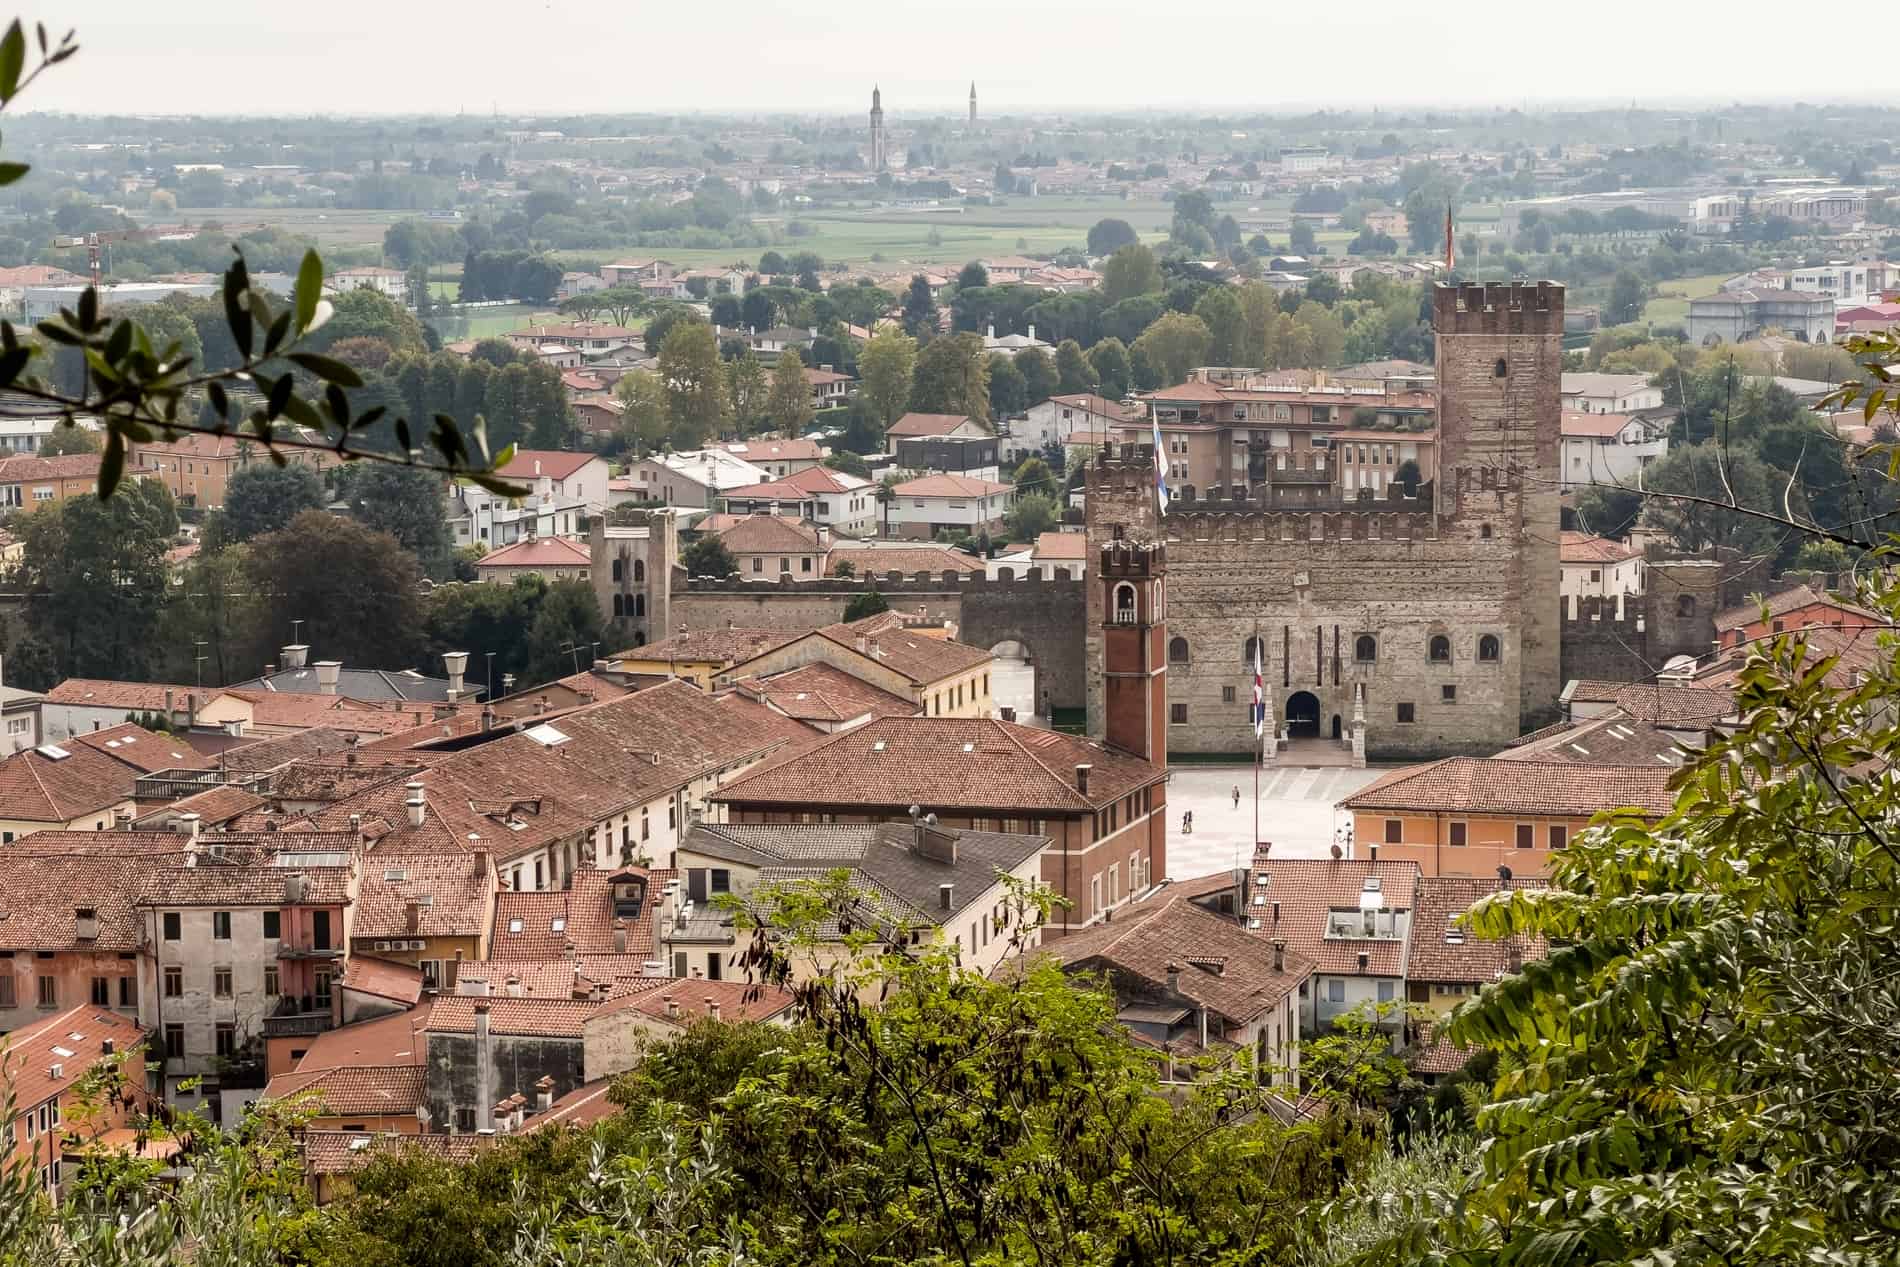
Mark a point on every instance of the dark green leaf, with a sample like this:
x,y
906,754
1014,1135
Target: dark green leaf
x,y
279,330
12,361
309,288
328,369
10,172
12,60
219,401
58,333
403,440
298,410
120,344
111,464
280,394
236,282
89,309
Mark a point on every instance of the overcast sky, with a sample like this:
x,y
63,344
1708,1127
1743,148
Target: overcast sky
x,y
358,57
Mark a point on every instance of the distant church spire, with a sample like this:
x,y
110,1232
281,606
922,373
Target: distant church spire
x,y
880,158
973,102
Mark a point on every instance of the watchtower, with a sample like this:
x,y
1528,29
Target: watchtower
x,y
1133,581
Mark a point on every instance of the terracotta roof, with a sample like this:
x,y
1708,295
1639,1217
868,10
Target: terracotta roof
x,y
534,1018
1433,1054
382,1090
1097,404
916,424
275,752
393,1039
453,896
580,1108
921,659
946,763
24,468
876,561
1444,951
556,464
720,646
949,486
28,1054
1614,739
536,552
1063,546
398,982
822,378
1310,889
145,751
552,979
574,330
41,891
525,929
681,1001
144,696
339,1152
251,875
1582,547
1188,391
1591,426
1591,691
36,787
770,534
1676,705
824,692
1489,785
1221,966
1780,603
214,807
1854,651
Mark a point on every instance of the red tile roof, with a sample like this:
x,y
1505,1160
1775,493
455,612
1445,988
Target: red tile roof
x,y
1582,547
534,1018
381,1090
720,646
949,486
681,1001
144,696
395,1039
824,693
876,561
584,912
398,982
340,1152
1483,785
28,1054
25,468
770,534
556,464
454,897
537,552
1310,889
36,787
768,450
579,1108
916,424
1062,546
1444,951
145,751
1575,422
921,659
1785,600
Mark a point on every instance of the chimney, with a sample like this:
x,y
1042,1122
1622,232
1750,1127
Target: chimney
x,y
412,915
1174,978
672,1007
456,662
480,857
188,826
1279,955
544,1093
122,819
1082,777
620,938
540,705
327,671
85,923
1032,335
513,987
296,655
484,1071
416,803
1365,961
990,332
1276,914
946,894
293,889
712,1006
1372,851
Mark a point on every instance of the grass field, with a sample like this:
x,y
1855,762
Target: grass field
x,y
1671,305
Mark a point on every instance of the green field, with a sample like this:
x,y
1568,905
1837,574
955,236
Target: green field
x,y
1671,305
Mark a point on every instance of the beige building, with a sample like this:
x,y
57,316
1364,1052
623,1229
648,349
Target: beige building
x,y
941,677
766,547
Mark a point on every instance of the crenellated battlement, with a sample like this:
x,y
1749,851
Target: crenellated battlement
x,y
1242,522
1499,308
891,582
1125,560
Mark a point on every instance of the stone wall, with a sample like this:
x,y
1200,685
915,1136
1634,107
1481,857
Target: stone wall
x,y
520,1062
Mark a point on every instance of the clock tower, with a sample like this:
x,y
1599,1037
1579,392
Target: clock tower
x,y
1133,580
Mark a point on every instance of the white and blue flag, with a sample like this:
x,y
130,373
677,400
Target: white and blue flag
x,y
1161,469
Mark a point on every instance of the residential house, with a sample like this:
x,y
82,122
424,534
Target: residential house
x,y
25,426
197,467
771,546
692,478
1446,962
590,338
1195,984
599,412
922,508
1351,918
1733,316
550,558
1057,419
330,677
778,458
845,504
618,1032
1102,809
825,697
880,560
700,655
19,718
1598,567
573,284
919,880
1055,550
14,283
558,474
77,706
601,925
916,425
565,490
332,1158
632,272
1611,449
355,1098
1799,605
427,911
703,282
971,456
28,482
1471,815
1004,269
769,343
74,785
392,282
937,676
1593,393
1011,344
42,1067
829,388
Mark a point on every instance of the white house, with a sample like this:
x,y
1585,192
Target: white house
x,y
1609,393
1058,418
846,504
1598,567
693,478
390,281
1607,449
921,508
565,489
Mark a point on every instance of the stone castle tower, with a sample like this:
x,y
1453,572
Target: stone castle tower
x,y
1437,615
1134,639
973,103
880,153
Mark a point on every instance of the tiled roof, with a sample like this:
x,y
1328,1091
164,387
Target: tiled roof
x,y
1614,739
106,693
325,781
1854,651
584,912
921,659
681,1001
537,552
553,979
251,876
1443,951
1309,889
1590,691
27,1055
383,1090
1676,705
340,1152
1221,966
40,892
1433,1054
946,763
1582,547
949,486
145,751
579,1108
1095,404
534,1018
1062,546
25,468
453,896
398,982
1585,383
36,787
270,754
916,424
710,646
769,534
393,1039
215,807
821,692
1783,601
1489,785
768,450
1591,426
876,561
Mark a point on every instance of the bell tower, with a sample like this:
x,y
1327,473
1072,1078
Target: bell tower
x,y
880,158
1134,584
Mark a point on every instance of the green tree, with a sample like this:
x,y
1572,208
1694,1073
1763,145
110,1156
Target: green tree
x,y
362,606
366,313
1033,476
1109,360
867,603
1131,271
972,276
748,388
261,497
1608,511
708,556
952,377
567,616
789,404
1039,375
695,384
920,309
848,462
1110,235
1173,345
1009,393
1031,515
1219,310
408,503
1302,241
1408,476
69,438
885,366
96,580
1627,298
1074,373
1830,557
1690,488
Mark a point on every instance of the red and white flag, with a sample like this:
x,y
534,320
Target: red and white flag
x,y
1448,243
1259,694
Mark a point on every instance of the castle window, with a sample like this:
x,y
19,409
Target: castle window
x,y
1488,648
1484,532
1124,604
1365,649
1440,649
619,607
1251,650
1177,651
1685,604
1177,714
639,605
1448,693
1502,369
618,563
1226,694
1407,713
639,571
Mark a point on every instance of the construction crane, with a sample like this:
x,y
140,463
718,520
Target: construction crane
x,y
93,241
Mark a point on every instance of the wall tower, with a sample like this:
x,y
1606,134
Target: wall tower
x,y
1133,581
880,157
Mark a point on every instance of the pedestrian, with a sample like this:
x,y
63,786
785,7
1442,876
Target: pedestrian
x,y
1236,796
1187,823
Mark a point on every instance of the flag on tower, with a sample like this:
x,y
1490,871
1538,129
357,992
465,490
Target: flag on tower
x,y
1161,469
1259,694
1448,250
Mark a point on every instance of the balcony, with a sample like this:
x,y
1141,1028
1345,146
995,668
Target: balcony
x,y
299,1018
289,950
176,785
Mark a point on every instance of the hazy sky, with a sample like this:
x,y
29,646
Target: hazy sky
x,y
353,56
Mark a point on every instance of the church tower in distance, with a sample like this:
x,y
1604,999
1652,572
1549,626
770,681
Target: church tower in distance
x,y
973,103
880,158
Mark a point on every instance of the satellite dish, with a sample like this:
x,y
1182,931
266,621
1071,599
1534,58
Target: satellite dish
x,y
1504,874
1337,853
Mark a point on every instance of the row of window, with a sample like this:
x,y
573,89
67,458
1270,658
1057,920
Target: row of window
x,y
1457,835
224,1040
635,607
48,992
639,570
272,927
954,697
1365,649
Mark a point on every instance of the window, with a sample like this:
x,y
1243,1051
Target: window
x,y
758,564
1502,369
101,992
227,1040
1335,990
320,929
1407,714
1484,532
323,989
1439,649
1685,604
1385,991
221,983
1526,836
1394,831
1488,649
171,926
1177,714
174,1042
1559,836
1458,835
619,564
221,925
273,924
49,991
1596,574
1365,648
1448,693
720,880
804,564
174,982
432,974
273,985
128,991
1124,604
1177,651
1226,694
7,998
1251,650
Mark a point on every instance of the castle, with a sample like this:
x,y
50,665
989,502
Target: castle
x,y
1435,617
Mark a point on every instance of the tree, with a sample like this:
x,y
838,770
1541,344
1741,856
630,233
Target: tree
x,y
567,616
1828,557
496,352
1710,470
262,497
973,276
789,405
885,366
1032,515
1110,235
1302,241
368,313
1220,311
772,264
695,384
69,438
408,503
361,607
1627,298
1408,476
1074,374
661,324
1174,344
920,309
96,581
1109,360
1130,271
1033,475
748,387
708,556
952,377
866,603
1608,511
1039,375
1009,394
848,462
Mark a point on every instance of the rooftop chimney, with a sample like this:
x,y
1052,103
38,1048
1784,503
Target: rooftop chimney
x,y
620,939
1279,955
188,826
296,655
513,986
327,671
544,1092
1174,978
122,819
672,1006
1372,851
480,858
1365,961
412,915
946,894
1082,777
456,662
416,803
712,1007
85,923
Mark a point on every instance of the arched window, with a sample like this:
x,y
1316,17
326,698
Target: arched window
x,y
1502,369
1124,604
1685,604
1251,650
1365,648
1489,650
639,571
1177,651
1440,649
618,567
639,606
620,607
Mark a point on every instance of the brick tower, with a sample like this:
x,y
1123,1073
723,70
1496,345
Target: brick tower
x,y
1133,582
1500,374
880,146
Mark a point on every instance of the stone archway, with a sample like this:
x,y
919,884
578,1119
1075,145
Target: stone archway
x,y
1015,679
1302,715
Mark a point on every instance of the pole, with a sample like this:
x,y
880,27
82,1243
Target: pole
x,y
1259,739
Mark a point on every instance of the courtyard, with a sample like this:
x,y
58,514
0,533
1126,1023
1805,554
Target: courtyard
x,y
1296,813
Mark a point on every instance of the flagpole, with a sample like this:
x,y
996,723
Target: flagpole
x,y
1259,737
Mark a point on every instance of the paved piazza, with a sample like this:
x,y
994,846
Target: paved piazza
x,y
1296,813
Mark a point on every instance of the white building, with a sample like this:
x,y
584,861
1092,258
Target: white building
x,y
846,504
692,478
1598,567
921,508
392,282
24,433
1056,419
1608,449
1610,393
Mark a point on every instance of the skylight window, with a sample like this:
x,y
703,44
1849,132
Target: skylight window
x,y
557,925
395,873
514,925
53,752
65,1052
546,735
